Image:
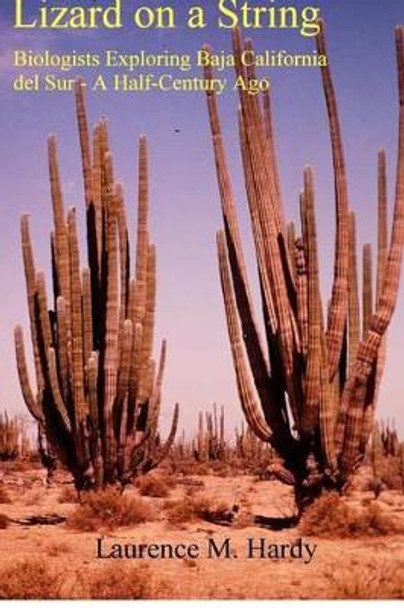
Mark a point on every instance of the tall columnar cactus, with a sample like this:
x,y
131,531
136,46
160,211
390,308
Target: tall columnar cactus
x,y
311,390
98,389
210,442
14,439
10,437
377,459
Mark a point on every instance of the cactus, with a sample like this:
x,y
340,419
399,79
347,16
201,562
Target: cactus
x,y
377,459
14,440
401,456
98,392
210,441
9,437
311,390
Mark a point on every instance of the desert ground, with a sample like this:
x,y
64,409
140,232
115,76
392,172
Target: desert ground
x,y
48,559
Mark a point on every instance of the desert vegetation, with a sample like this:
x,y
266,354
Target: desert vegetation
x,y
108,509
14,439
312,466
98,393
311,391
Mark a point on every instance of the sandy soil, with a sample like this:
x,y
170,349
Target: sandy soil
x,y
338,567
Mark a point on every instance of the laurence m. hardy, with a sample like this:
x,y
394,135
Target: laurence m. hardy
x,y
210,548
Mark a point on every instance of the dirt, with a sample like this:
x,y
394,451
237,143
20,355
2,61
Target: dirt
x,y
314,568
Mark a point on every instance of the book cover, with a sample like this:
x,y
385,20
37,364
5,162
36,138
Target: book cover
x,y
201,314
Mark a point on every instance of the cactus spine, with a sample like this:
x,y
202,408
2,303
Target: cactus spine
x,y
98,389
311,391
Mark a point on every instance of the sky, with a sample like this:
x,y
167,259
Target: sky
x,y
185,209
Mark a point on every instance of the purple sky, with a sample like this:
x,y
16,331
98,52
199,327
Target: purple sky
x,y
185,206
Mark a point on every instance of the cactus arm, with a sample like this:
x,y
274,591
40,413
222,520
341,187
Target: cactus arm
x,y
382,230
367,288
76,323
55,278
121,402
353,316
339,298
291,238
124,260
134,377
43,314
310,412
111,342
30,278
92,380
124,372
155,401
95,252
87,314
62,345
301,283
32,404
246,393
84,139
269,130
57,396
163,450
142,243
148,324
61,238
256,228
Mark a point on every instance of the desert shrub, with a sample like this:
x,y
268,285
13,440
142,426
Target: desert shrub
x,y
29,579
56,549
332,517
110,509
4,497
4,521
190,467
68,495
17,466
116,583
155,485
368,581
197,507
391,473
185,511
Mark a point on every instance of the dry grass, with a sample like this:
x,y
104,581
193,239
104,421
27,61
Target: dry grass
x,y
368,581
190,467
17,466
33,497
68,494
29,579
391,475
115,582
332,517
4,521
57,549
4,497
155,485
109,509
196,507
